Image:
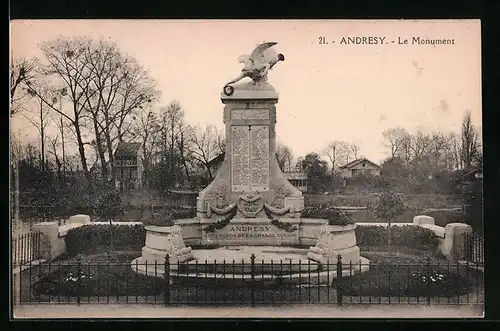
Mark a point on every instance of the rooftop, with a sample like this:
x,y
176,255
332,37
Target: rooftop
x,y
357,161
127,149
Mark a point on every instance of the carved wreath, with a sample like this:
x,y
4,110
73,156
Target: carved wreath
x,y
276,222
224,221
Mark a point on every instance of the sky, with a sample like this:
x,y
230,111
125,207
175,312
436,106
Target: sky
x,y
327,92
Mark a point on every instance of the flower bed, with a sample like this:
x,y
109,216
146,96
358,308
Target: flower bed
x,y
99,275
399,274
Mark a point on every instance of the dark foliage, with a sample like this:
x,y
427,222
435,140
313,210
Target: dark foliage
x,y
402,236
91,237
335,216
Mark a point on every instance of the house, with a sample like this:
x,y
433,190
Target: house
x,y
128,166
297,179
360,166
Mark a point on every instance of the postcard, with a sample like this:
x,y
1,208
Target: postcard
x,y
246,169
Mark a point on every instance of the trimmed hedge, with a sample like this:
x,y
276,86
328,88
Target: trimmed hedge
x,y
403,236
414,237
373,235
335,216
91,237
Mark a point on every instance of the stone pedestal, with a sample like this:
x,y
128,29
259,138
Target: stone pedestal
x,y
250,184
423,220
161,241
333,241
455,239
51,245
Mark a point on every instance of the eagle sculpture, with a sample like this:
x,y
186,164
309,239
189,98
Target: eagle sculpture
x,y
258,63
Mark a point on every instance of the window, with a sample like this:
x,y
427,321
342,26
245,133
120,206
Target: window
x,y
364,164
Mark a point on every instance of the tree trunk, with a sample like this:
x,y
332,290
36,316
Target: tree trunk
x,y
110,155
63,150
389,234
100,152
42,138
81,150
172,140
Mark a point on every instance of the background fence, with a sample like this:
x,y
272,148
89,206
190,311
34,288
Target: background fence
x,y
26,248
473,248
251,282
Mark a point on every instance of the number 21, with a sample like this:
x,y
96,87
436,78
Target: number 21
x,y
322,41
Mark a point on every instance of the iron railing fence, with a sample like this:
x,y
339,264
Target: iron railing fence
x,y
251,282
26,248
473,248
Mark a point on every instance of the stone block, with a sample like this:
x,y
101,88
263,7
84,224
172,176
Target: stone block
x,y
79,219
333,241
161,241
423,219
455,239
51,245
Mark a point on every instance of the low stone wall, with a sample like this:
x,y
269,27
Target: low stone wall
x,y
53,243
450,237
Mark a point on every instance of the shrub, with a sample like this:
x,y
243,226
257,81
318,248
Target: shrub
x,y
183,213
373,235
110,205
414,237
389,206
93,237
403,236
159,220
335,216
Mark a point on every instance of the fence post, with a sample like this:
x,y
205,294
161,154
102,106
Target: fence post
x,y
339,280
429,283
252,279
78,280
167,279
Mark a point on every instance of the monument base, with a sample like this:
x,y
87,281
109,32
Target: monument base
x,y
252,232
163,241
335,240
232,265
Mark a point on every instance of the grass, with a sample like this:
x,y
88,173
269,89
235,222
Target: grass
x,y
407,275
100,275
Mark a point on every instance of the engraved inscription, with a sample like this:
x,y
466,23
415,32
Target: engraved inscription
x,y
250,114
248,232
259,157
240,158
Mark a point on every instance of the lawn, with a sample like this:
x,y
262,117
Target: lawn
x,y
101,274
407,275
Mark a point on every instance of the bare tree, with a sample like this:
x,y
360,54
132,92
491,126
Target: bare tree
x,y
354,150
21,72
205,145
171,117
118,90
284,156
394,140
40,120
147,127
469,141
61,124
54,144
336,152
183,140
67,64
